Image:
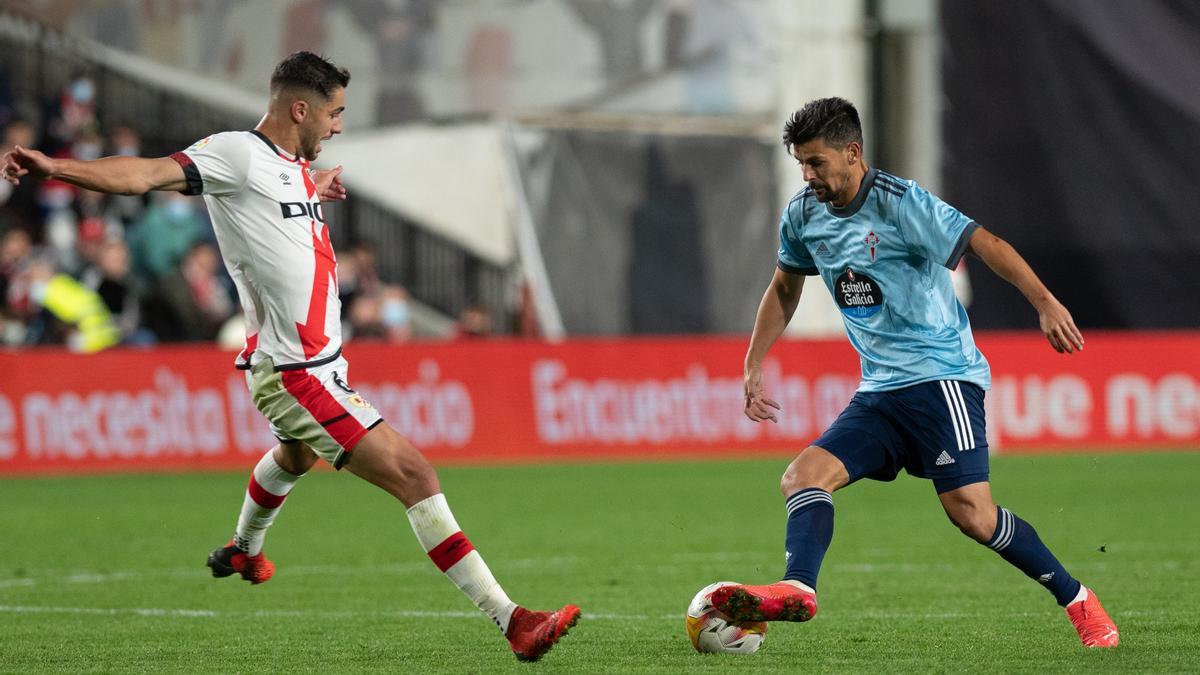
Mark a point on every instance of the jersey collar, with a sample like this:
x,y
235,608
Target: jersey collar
x,y
275,149
859,199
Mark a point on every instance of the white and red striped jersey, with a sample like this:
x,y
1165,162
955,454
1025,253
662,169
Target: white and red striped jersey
x,y
275,243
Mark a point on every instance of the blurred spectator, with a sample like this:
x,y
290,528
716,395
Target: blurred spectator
x,y
89,240
365,320
618,30
18,204
475,321
357,274
15,247
72,313
66,117
165,232
124,141
526,322
404,31
8,102
191,303
394,314
110,277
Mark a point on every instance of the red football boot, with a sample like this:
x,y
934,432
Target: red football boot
x,y
775,602
229,559
532,634
1092,622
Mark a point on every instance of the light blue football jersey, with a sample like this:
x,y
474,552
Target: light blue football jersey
x,y
886,258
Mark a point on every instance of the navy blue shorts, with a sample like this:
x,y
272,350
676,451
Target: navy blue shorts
x,y
931,430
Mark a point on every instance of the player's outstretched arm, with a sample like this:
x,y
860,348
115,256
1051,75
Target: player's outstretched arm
x,y
774,312
113,175
1056,322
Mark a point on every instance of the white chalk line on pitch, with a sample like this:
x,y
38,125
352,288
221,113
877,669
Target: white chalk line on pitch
x,y
424,568
162,612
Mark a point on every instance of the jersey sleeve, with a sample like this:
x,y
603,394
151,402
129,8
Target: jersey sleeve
x,y
793,257
215,165
933,229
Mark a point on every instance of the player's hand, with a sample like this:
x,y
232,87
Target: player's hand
x,y
758,406
20,162
329,184
1059,328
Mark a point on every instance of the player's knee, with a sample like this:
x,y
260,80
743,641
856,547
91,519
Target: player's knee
x,y
295,457
814,468
975,522
414,472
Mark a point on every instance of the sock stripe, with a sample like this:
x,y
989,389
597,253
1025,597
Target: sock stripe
x,y
1005,527
261,497
806,498
446,554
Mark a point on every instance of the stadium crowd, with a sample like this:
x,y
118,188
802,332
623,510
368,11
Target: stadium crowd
x,y
92,271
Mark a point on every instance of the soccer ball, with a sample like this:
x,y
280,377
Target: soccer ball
x,y
711,632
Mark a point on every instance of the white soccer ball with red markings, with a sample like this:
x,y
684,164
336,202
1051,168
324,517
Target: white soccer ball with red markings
x,y
711,632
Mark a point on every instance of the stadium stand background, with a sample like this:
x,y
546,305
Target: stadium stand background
x,y
640,128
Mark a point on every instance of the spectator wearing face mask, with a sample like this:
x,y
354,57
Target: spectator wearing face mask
x,y
73,112
170,226
394,314
124,141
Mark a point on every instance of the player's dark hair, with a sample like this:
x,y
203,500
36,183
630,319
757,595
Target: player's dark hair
x,y
306,70
833,120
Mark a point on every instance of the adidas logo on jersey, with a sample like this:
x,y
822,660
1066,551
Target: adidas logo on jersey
x,y
822,249
944,459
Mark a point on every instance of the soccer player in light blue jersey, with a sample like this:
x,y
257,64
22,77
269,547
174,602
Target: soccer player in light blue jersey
x,y
885,247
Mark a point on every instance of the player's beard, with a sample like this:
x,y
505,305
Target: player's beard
x,y
309,151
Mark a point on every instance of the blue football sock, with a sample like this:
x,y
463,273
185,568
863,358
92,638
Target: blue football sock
x,y
809,531
1017,542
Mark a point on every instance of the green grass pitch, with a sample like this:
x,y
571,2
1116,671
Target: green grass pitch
x,y
105,574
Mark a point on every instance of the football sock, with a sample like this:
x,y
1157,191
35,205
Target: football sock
x,y
454,555
269,486
1017,542
809,531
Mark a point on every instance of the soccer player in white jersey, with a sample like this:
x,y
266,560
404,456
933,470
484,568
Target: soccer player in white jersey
x,y
265,201
885,247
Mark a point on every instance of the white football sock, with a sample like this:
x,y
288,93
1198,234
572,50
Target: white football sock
x,y
802,586
269,485
1080,596
453,553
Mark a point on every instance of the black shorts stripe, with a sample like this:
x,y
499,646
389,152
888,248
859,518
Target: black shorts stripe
x,y
334,420
310,364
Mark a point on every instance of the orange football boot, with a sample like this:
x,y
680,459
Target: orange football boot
x,y
1095,628
532,634
229,559
780,601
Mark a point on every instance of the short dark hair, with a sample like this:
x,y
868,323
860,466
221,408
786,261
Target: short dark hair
x,y
306,70
833,120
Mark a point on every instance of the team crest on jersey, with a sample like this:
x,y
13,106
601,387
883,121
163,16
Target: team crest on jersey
x,y
200,143
871,240
857,294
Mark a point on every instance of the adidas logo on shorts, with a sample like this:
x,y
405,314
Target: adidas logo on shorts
x,y
944,459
